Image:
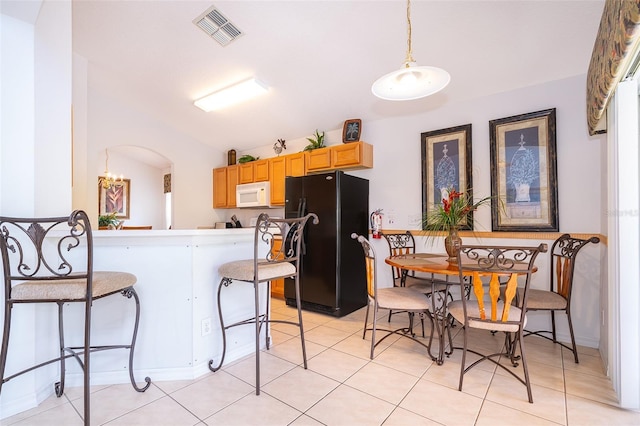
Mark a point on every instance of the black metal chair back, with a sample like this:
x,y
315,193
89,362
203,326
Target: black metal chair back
x,y
267,264
491,309
564,252
50,260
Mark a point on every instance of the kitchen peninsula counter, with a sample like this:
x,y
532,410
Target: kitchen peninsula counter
x,y
177,272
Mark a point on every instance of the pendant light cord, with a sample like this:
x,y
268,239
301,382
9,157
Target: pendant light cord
x,y
409,57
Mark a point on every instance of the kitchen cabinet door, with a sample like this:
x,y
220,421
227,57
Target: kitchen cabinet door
x,y
277,286
232,182
318,159
295,164
277,169
246,172
355,154
261,171
220,188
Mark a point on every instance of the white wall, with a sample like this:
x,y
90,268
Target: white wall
x,y
146,188
35,161
396,180
53,108
110,123
17,117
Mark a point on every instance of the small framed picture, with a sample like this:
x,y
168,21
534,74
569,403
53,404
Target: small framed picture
x,y
351,130
115,198
523,172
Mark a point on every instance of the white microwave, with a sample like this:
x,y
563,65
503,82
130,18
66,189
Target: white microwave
x,y
257,194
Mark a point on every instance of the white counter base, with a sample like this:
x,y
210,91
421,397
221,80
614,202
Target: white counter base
x,y
178,279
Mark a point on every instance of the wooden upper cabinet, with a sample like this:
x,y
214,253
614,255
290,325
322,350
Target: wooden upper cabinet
x,y
225,180
220,187
318,159
355,154
277,168
232,182
261,171
295,164
246,172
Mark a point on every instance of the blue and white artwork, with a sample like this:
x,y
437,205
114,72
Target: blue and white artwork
x,y
446,169
523,165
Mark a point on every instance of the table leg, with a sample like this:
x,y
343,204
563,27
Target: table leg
x,y
440,322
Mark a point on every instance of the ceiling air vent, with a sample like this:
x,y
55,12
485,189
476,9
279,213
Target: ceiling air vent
x,y
217,26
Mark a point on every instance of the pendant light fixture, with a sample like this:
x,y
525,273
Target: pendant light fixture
x,y
411,81
109,179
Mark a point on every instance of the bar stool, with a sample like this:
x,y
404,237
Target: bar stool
x,y
283,263
50,260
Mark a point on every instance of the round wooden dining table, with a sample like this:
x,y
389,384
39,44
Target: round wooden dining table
x,y
435,263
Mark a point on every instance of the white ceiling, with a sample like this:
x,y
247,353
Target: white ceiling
x,y
319,58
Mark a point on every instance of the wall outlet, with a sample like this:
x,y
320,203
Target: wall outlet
x,y
205,326
391,217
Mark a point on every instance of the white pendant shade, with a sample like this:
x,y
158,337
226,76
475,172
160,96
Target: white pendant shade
x,y
410,82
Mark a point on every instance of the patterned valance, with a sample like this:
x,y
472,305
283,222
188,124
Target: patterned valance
x,y
617,41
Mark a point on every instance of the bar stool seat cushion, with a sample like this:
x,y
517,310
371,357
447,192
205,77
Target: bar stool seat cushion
x,y
243,270
73,289
455,308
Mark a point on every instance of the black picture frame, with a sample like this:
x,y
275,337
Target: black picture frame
x,y
524,173
351,130
446,163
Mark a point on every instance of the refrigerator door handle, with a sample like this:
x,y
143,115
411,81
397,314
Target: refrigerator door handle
x,y
302,207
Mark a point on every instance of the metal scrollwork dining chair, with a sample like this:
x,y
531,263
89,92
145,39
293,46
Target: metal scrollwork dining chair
x,y
261,269
558,298
402,243
403,299
493,310
50,260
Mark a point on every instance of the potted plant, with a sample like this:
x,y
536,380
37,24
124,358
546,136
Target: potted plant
x,y
450,215
108,221
315,142
247,158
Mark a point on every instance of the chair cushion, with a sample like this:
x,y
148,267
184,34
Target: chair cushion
x,y
542,299
243,270
401,298
73,289
455,308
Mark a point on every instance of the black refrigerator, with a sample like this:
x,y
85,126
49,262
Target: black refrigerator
x,y
332,276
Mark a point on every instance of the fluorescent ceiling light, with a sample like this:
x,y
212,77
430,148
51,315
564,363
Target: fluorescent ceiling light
x,y
231,95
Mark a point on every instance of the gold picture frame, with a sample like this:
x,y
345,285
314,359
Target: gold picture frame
x,y
115,198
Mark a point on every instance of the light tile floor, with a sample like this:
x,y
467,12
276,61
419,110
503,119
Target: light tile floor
x,y
342,386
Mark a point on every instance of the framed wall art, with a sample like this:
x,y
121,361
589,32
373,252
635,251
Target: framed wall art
x,y
524,172
351,130
115,198
446,163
